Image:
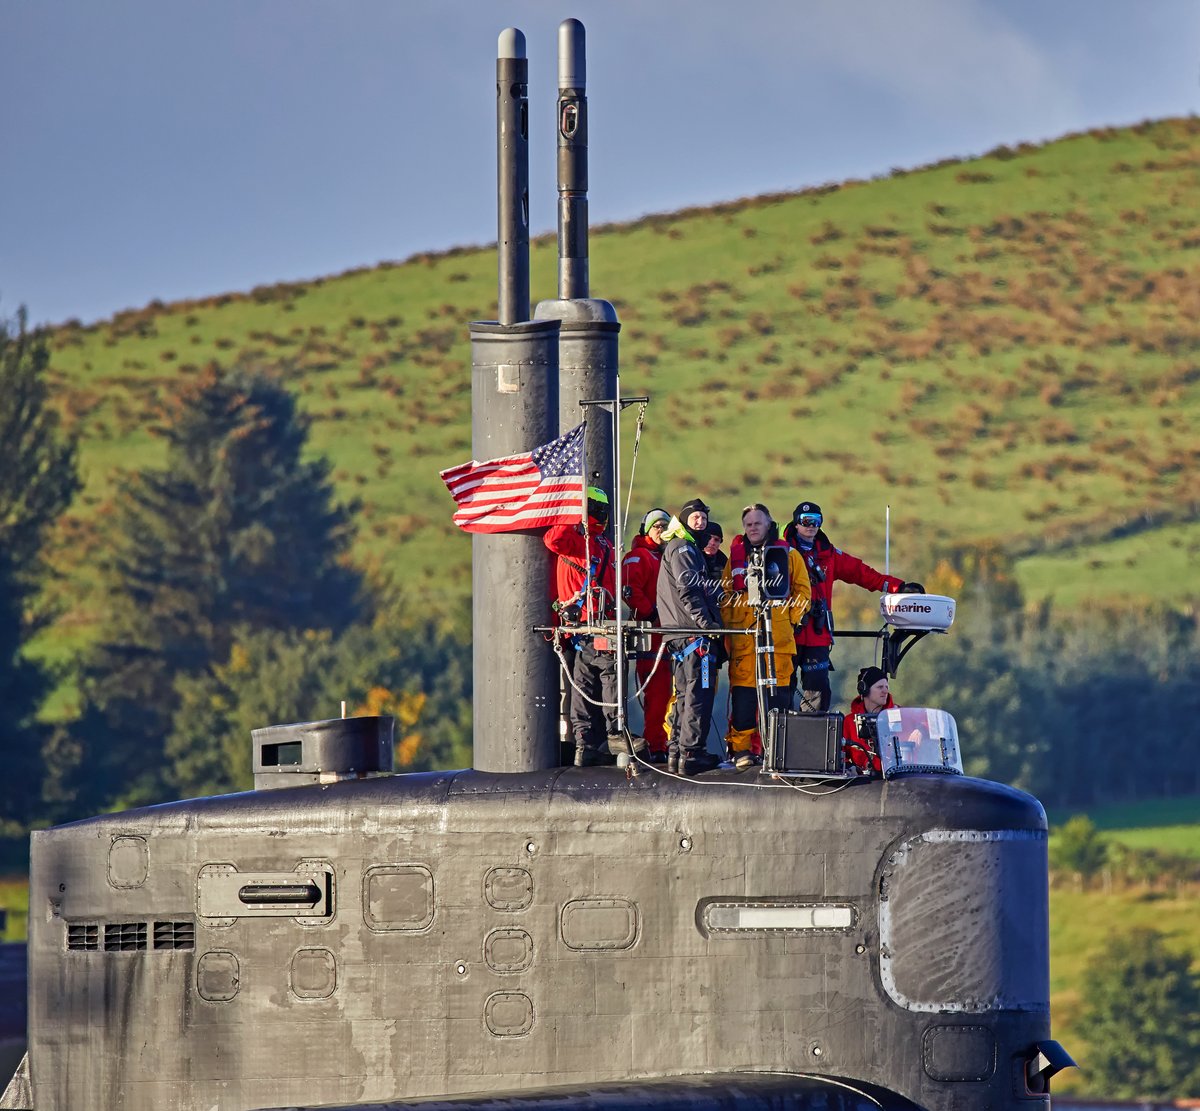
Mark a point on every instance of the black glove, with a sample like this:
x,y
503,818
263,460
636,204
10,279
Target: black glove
x,y
720,655
911,588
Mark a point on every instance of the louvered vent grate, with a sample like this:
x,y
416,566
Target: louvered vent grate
x,y
174,935
124,937
83,936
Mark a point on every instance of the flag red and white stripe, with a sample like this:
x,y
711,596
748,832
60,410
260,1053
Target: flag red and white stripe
x,y
531,490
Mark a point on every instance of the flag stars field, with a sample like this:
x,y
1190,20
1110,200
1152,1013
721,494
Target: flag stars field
x,y
531,490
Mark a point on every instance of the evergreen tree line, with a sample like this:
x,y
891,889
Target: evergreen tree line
x,y
1079,708
38,478
230,602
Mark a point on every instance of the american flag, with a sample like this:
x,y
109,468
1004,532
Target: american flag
x,y
527,491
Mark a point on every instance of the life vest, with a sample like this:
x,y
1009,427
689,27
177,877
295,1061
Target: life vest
x,y
577,576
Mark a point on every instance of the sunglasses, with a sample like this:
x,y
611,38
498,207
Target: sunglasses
x,y
809,520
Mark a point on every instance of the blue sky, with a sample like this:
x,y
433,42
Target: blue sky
x,y
173,148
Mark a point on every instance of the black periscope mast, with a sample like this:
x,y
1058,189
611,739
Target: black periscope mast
x,y
524,935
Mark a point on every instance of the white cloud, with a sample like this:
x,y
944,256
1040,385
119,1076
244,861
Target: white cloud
x,y
954,59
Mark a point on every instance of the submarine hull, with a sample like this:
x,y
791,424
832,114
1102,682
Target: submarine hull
x,y
743,1091
435,935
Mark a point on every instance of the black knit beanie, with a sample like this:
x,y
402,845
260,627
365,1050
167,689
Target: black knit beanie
x,y
868,677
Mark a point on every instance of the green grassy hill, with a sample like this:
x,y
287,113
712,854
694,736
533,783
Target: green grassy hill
x,y
1081,922
1168,825
1006,348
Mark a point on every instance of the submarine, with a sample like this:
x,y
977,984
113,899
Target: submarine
x,y
524,934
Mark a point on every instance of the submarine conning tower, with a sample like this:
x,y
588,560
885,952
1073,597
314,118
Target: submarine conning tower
x,y
528,378
527,936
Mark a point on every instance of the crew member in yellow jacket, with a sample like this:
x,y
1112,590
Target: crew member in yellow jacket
x,y
760,544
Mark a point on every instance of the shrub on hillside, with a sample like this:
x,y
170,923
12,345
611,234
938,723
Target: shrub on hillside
x,y
1141,1020
1078,849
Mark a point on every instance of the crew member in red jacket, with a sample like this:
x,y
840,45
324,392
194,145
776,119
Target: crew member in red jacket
x,y
639,585
585,581
873,696
826,564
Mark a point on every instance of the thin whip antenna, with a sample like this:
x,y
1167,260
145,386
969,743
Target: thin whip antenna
x,y
637,442
618,555
887,540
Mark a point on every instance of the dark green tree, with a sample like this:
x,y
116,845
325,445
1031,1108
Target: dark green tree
x,y
1079,707
1141,1020
987,674
1076,847
38,478
406,664
269,678
239,530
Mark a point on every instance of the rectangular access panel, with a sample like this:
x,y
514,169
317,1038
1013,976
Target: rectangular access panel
x,y
224,893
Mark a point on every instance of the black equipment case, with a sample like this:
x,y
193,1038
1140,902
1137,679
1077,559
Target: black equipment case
x,y
804,744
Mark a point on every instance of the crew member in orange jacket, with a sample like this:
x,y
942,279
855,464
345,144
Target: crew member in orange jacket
x,y
873,696
639,585
826,564
585,580
759,536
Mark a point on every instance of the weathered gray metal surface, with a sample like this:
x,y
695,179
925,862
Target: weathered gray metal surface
x,y
588,341
512,932
588,361
938,955
321,751
514,408
573,277
512,176
18,1093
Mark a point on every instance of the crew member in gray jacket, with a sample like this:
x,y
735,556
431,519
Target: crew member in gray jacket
x,y
685,602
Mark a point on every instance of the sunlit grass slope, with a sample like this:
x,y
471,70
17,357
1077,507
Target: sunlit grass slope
x,y
1081,922
14,901
1169,825
1002,348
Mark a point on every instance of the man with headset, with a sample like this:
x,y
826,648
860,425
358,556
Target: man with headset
x,y
873,696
